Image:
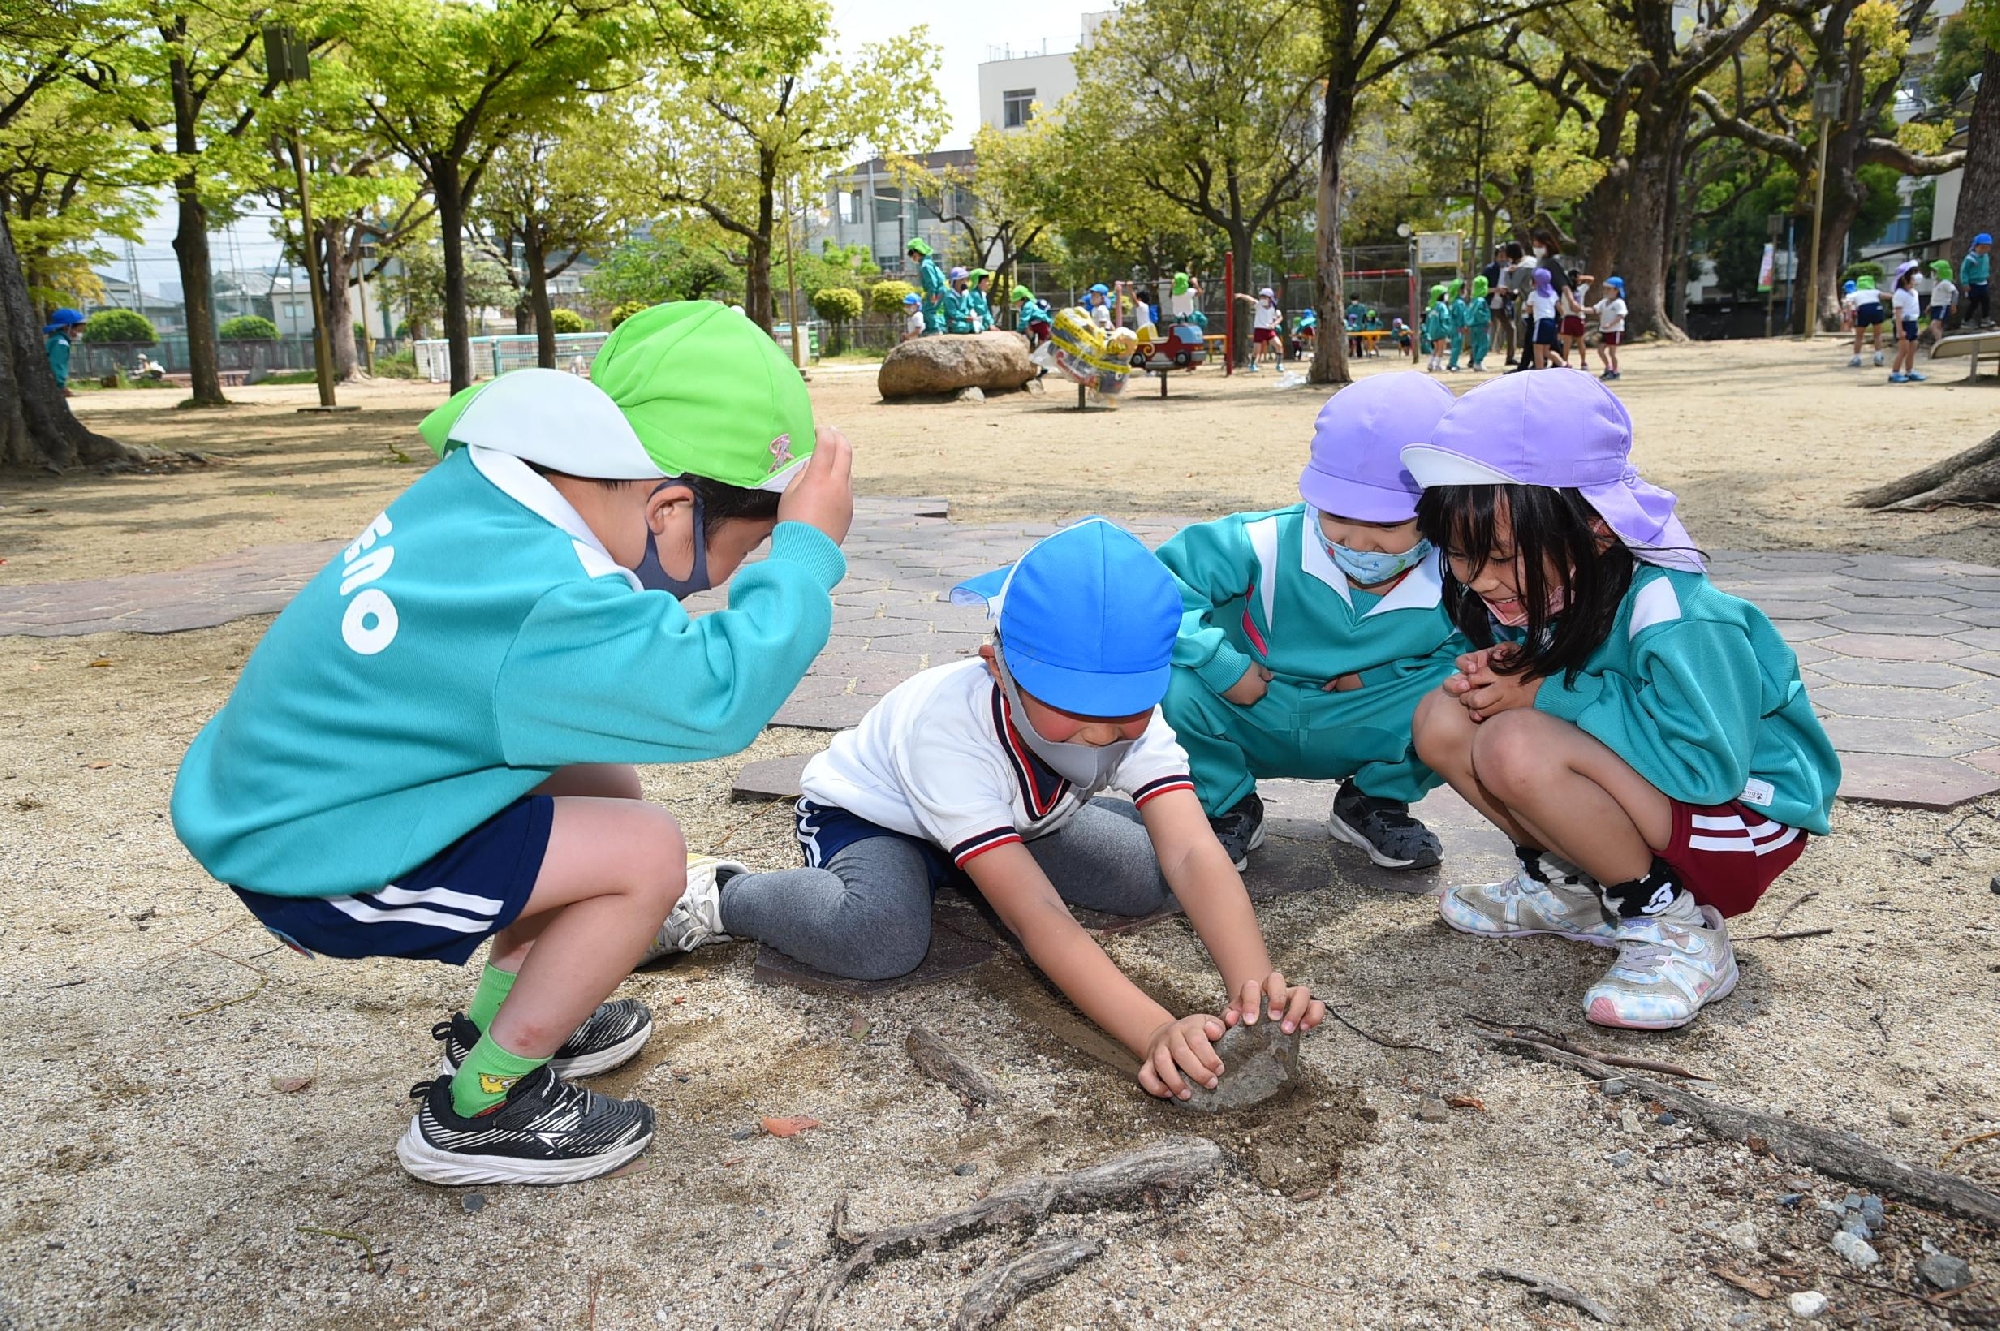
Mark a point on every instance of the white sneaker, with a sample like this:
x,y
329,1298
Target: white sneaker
x,y
1878,358
1669,967
1854,363
696,919
1568,904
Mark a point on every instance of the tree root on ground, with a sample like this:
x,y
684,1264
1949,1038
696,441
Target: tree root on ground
x,y
936,1060
995,1294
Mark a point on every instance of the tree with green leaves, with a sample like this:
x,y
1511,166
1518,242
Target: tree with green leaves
x,y
651,266
1003,203
1979,190
729,129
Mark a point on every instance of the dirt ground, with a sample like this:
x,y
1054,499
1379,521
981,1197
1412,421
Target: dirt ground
x,y
167,1176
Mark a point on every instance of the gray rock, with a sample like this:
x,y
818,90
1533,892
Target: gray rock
x,y
1871,1211
473,1201
1257,1062
1742,1235
1901,1114
964,1171
1618,1159
1666,1119
1433,1110
1945,1271
1614,1087
1855,1250
1995,884
995,362
1807,1304
1858,1227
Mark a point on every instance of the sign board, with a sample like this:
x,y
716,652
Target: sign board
x,y
1764,268
1438,249
1826,101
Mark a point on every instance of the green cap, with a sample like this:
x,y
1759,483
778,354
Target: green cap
x,y
1021,293
1941,270
1180,284
978,273
546,417
1865,282
709,394
917,245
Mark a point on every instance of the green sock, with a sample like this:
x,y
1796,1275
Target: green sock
x,y
486,1076
494,986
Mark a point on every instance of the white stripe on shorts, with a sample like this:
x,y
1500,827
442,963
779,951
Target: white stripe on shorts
x,y
439,896
354,908
1727,823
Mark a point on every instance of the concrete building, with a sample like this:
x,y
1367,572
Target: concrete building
x,y
867,204
1015,87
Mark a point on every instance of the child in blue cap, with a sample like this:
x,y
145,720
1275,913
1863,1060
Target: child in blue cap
x,y
61,329
990,769
1310,633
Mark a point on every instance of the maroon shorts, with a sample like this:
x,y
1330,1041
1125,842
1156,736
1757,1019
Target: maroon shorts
x,y
1729,854
1572,325
1614,338
1263,335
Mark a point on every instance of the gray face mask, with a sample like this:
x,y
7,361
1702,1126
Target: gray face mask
x,y
1089,766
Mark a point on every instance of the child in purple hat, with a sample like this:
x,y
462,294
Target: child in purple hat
x,y
1312,632
1644,738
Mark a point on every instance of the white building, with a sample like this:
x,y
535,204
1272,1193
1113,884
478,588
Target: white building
x,y
1016,87
868,204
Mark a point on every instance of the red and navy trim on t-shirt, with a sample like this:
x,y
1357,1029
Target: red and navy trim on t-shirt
x,y
973,847
1041,789
1160,787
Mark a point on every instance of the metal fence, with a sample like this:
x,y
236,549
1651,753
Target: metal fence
x,y
255,360
494,356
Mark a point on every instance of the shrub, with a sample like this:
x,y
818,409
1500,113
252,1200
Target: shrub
x,y
248,328
887,297
119,327
568,321
837,304
627,310
1864,268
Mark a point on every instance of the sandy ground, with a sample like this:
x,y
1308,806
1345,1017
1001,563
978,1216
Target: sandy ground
x,y
162,1178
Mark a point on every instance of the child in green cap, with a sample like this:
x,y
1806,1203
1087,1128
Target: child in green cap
x,y
432,745
930,282
982,309
1944,295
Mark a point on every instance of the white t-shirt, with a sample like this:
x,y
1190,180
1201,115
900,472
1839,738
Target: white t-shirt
x,y
1862,296
1101,315
915,323
1544,306
1181,305
1268,315
1908,304
939,758
1944,294
1611,314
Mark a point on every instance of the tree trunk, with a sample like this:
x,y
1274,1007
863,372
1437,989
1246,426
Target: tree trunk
x,y
191,243
36,427
1971,477
538,299
450,199
1329,365
339,312
1979,191
1243,240
757,282
1645,228
1837,213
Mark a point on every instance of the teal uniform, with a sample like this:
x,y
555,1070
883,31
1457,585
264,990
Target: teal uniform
x,y
959,312
1437,323
1031,311
58,349
1461,327
1260,588
930,278
1481,334
1975,269
982,310
1701,696
473,640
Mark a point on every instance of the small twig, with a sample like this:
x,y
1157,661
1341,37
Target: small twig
x,y
785,1305
367,1249
1335,1013
263,978
1553,1292
1976,1137
1538,1035
1786,937
938,1061
759,812
591,1285
1986,1316
1786,913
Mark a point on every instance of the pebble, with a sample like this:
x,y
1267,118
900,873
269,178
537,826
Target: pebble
x,y
1659,1176
1855,1250
1858,1227
1995,884
742,1134
473,1201
1628,1119
1614,1087
1945,1271
1433,1110
1742,1235
1666,1119
1618,1159
785,1242
139,914
1871,1211
1901,1115
1258,1062
1791,1199
1552,1220
965,1170
1807,1303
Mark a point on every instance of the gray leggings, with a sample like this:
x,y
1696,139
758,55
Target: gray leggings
x,y
867,914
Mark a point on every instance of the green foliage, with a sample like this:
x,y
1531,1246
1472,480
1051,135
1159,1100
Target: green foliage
x,y
652,269
626,311
568,321
118,328
887,297
248,328
837,304
1923,211
1864,268
1880,203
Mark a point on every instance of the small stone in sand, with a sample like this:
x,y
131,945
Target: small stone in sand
x,y
1257,1062
1807,1303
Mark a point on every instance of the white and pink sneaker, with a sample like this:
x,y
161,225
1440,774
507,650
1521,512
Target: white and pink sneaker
x,y
1669,966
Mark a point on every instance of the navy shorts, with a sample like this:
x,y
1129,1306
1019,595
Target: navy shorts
x,y
1939,312
826,829
442,910
1545,333
1867,316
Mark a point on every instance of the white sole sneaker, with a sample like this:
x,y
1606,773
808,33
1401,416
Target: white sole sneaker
x,y
453,1170
1340,831
1256,843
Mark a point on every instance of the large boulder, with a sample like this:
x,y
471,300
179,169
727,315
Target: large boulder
x,y
992,362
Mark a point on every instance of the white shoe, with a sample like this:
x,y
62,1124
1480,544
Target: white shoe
x,y
1669,967
1856,362
1563,901
1878,358
696,919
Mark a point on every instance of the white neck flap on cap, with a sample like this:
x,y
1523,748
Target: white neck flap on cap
x,y
558,421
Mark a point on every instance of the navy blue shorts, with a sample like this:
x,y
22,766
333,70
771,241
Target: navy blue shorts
x,y
825,830
1909,330
442,910
1867,316
1545,333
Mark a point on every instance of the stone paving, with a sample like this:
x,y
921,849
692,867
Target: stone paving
x,y
1902,655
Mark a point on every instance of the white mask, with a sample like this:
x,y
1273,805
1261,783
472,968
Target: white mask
x,y
1541,252
1088,766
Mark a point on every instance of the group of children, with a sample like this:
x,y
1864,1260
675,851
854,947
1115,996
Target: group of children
x,y
1912,312
433,744
1459,325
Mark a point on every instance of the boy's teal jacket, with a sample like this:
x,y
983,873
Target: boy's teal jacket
x,y
1260,587
1697,691
1974,268
475,638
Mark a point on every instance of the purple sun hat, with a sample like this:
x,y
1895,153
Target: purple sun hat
x,y
1356,469
1543,279
1556,428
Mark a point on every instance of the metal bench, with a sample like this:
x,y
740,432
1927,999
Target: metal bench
x,y
1971,346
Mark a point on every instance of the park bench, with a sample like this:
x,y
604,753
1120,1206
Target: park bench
x,y
1971,346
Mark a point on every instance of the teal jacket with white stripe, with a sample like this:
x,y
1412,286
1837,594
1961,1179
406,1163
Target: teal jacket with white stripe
x,y
1696,690
476,637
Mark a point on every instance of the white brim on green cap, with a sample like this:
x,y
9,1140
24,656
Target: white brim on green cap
x,y
546,417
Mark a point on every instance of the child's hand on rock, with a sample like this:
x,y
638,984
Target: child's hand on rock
x,y
1292,1005
1179,1051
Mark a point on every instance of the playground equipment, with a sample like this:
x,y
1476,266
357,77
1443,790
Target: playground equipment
x,y
1088,356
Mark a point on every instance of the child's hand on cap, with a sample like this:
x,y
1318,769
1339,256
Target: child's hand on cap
x,y
823,496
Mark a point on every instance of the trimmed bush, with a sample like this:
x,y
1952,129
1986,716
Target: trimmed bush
x,y
627,310
119,328
887,297
837,304
248,328
568,321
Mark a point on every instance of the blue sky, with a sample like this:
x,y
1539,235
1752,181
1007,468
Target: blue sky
x,y
963,31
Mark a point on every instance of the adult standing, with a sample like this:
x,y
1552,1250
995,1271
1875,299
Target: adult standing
x,y
1547,259
930,283
62,326
1520,283
1499,327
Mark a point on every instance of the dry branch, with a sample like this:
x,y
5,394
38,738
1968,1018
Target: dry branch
x,y
937,1061
1168,1166
1841,1155
1971,477
1554,1041
1553,1292
995,1295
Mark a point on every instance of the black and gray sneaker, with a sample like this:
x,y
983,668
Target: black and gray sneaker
x,y
1383,828
545,1131
608,1037
1240,829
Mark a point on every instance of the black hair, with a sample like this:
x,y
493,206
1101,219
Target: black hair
x,y
1543,236
1514,250
1908,276
1549,529
719,502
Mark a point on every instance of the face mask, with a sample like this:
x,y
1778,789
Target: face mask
x,y
1518,616
1089,766
1541,252
655,578
1369,567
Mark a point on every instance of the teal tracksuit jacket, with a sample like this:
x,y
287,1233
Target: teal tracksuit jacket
x,y
1698,692
930,280
473,640
1261,588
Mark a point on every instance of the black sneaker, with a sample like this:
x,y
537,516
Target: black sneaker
x,y
1240,829
1383,828
607,1038
545,1131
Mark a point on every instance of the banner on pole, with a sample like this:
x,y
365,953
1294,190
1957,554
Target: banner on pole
x,y
1764,269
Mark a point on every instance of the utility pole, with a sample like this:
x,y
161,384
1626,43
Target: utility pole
x,y
1826,107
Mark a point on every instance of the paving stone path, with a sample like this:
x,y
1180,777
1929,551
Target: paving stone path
x,y
1902,655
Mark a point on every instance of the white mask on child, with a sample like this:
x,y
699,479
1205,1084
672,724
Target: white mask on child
x,y
1089,766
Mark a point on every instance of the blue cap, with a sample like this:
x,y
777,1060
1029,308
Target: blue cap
x,y
1982,239
1618,282
1100,289
1848,286
912,299
1087,620
65,317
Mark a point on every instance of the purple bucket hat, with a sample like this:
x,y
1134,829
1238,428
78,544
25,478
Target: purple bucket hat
x,y
1556,428
1356,469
